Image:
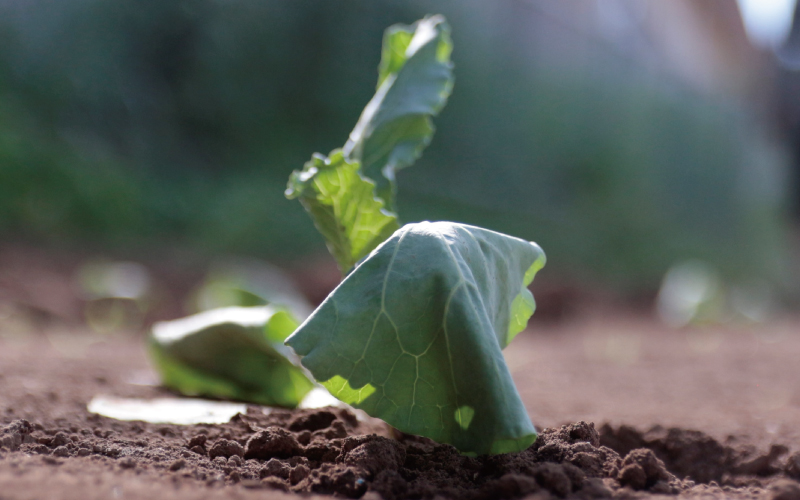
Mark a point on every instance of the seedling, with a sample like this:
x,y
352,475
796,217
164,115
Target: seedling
x,y
414,333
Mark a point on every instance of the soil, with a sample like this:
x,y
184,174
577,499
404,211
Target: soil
x,y
629,409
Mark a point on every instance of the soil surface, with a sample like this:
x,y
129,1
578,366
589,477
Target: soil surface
x,y
627,408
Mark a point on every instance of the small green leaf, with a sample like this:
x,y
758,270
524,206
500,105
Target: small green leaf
x,y
414,335
343,206
232,353
415,78
396,39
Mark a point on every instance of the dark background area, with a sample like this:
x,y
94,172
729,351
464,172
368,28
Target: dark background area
x,y
624,137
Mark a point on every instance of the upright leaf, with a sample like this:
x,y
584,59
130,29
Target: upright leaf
x,y
234,353
415,79
414,335
343,206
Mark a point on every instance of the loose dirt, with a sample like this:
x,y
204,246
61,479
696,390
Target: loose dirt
x,y
628,409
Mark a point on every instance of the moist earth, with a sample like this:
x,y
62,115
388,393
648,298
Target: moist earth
x,y
330,451
727,401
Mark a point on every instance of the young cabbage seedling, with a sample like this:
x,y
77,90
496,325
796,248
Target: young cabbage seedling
x,y
414,334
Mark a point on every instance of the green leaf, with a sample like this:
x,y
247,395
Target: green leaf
x,y
415,78
343,206
414,335
396,40
231,353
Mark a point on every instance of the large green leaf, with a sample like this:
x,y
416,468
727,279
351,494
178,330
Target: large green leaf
x,y
343,206
232,353
414,335
415,78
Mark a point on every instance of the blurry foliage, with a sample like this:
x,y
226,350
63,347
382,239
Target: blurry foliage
x,y
134,123
49,188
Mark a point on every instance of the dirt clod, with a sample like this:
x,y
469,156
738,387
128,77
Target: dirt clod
x,y
373,454
198,440
312,421
696,456
14,434
553,478
61,451
760,464
784,490
509,486
177,465
60,439
641,469
275,483
298,474
272,442
225,448
793,466
633,475
275,468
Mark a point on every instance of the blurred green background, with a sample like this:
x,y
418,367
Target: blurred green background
x,y
130,127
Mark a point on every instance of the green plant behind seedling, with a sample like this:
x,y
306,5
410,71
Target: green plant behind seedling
x,y
414,334
231,353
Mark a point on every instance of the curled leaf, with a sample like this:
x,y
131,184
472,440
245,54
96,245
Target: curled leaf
x,y
414,335
232,353
343,207
415,78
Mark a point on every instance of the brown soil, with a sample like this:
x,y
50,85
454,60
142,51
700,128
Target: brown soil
x,y
648,411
